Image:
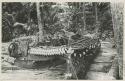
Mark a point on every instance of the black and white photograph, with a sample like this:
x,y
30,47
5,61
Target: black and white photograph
x,y
62,40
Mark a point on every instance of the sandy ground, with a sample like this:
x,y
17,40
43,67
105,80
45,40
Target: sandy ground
x,y
12,72
36,71
32,74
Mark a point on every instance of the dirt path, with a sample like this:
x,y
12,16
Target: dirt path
x,y
102,63
42,71
45,73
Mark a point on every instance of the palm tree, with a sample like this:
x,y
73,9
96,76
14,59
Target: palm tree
x,y
117,18
39,22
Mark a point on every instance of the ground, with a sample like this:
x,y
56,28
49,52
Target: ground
x,y
99,69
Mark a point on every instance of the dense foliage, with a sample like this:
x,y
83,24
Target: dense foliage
x,y
54,16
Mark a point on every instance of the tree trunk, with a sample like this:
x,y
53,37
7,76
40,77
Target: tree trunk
x,y
39,22
84,19
82,30
29,20
96,13
96,18
117,19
